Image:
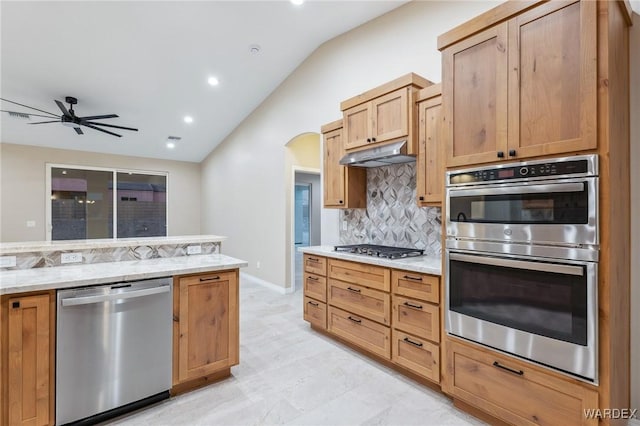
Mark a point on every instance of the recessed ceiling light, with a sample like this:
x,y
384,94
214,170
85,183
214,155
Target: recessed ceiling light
x,y
297,2
171,145
188,119
213,81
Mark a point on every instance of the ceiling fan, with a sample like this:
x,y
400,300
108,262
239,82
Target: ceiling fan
x,y
69,117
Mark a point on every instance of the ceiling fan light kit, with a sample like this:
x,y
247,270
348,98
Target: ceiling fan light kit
x,y
69,118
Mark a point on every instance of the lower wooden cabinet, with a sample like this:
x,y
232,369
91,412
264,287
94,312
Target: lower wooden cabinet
x,y
315,286
416,354
515,391
315,312
27,359
372,304
206,323
369,335
416,317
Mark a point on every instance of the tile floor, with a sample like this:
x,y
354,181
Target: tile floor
x,y
289,374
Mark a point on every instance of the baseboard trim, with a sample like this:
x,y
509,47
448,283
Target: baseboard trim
x,y
265,283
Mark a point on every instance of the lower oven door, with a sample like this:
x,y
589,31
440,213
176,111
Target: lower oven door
x,y
536,308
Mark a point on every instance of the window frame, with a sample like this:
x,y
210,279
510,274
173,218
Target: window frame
x,y
114,171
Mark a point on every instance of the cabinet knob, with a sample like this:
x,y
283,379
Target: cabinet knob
x,y
373,139
421,198
500,154
512,153
341,202
15,305
368,139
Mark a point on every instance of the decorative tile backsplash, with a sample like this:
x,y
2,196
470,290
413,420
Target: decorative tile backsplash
x,y
44,259
392,216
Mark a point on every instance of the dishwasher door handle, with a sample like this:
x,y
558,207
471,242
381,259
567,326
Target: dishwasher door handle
x,y
74,301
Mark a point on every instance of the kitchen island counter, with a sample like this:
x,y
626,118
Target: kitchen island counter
x,y
423,264
35,279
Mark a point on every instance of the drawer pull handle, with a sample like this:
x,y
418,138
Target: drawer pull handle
x,y
355,290
312,278
411,305
510,370
409,277
202,280
313,259
411,342
356,320
313,303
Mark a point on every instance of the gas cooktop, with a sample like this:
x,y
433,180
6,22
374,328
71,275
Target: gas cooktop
x,y
380,251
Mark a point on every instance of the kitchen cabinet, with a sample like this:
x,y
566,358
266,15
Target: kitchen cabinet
x,y
344,187
524,87
360,331
430,168
206,324
27,356
382,114
315,290
515,391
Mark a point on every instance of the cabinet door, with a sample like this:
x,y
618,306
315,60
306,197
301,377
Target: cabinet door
x,y
207,324
390,116
357,126
475,94
430,164
334,173
553,79
30,356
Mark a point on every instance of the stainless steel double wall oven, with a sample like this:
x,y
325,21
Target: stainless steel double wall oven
x,y
522,260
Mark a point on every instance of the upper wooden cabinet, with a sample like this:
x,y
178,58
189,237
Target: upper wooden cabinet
x,y
206,322
524,87
431,146
344,187
382,114
27,359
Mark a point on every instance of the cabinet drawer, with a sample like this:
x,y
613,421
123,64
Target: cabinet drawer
x,y
416,354
514,391
315,312
373,304
315,286
207,278
360,273
315,264
416,317
419,286
360,331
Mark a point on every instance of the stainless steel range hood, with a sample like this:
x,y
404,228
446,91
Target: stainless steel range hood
x,y
384,155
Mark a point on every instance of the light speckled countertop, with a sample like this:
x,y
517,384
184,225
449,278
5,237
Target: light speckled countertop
x,y
425,264
24,280
31,246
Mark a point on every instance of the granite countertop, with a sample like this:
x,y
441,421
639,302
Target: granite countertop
x,y
35,246
424,264
24,280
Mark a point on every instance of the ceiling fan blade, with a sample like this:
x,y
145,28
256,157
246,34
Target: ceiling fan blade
x,y
44,122
26,113
78,130
26,106
62,107
109,125
98,117
98,128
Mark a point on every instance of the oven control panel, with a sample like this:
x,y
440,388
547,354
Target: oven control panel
x,y
520,171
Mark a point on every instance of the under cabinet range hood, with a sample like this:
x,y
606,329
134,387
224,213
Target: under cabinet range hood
x,y
384,155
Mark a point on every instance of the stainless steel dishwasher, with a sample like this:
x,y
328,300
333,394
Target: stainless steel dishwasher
x,y
113,349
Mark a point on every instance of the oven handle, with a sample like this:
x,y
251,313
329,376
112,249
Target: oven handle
x,y
520,189
520,264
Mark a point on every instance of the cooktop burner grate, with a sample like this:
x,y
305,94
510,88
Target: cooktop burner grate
x,y
380,251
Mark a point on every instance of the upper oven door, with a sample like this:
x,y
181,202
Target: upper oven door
x,y
562,211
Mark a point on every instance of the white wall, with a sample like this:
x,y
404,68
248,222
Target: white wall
x,y
243,184
23,197
634,47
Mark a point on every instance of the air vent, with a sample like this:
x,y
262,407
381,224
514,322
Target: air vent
x,y
19,115
174,138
